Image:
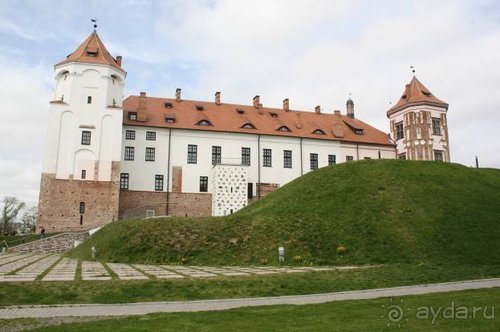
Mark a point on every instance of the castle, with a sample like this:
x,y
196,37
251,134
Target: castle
x,y
108,159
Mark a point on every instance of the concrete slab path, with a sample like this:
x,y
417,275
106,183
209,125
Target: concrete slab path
x,y
129,309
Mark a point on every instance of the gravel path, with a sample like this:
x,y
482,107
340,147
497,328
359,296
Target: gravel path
x,y
127,309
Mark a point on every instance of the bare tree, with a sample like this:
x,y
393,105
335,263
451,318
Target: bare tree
x,y
10,210
29,219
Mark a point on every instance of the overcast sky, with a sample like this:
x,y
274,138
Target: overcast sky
x,y
314,52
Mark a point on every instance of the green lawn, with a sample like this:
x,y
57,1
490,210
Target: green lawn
x,y
382,211
366,315
116,291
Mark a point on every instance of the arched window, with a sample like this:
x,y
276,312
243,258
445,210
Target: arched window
x,y
204,123
319,132
248,125
284,128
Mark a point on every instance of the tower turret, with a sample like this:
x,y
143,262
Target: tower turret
x,y
79,187
419,125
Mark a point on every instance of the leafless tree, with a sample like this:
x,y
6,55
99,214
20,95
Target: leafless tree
x,y
29,218
10,210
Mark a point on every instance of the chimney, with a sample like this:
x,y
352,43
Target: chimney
x,y
350,108
338,128
119,60
217,98
178,95
256,102
141,108
317,109
286,104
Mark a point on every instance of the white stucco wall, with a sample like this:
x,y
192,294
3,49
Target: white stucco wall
x,y
229,189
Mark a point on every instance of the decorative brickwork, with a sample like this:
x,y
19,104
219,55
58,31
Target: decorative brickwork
x,y
135,204
59,205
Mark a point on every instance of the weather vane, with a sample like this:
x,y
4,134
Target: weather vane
x,y
94,20
412,69
350,94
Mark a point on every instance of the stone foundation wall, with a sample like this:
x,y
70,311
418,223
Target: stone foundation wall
x,y
54,244
134,204
59,203
266,188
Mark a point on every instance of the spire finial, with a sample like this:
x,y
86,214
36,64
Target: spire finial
x,y
94,20
350,95
412,69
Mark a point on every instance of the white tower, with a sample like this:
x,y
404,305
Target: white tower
x,y
81,167
419,125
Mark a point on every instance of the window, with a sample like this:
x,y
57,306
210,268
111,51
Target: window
x,y
332,159
130,134
349,158
124,181
203,184
89,99
204,123
284,128
150,136
313,160
358,131
436,126
267,158
129,153
287,158
248,126
250,190
86,137
402,156
82,207
216,155
84,174
399,131
245,156
438,155
192,154
274,115
168,105
159,182
132,116
150,154
170,118
199,107
319,132
240,111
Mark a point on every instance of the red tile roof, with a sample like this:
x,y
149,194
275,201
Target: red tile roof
x,y
92,50
232,118
416,94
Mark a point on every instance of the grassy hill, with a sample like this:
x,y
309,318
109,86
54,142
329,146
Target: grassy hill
x,y
382,211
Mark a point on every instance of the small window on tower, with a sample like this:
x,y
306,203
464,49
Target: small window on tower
x,y
89,99
86,136
84,174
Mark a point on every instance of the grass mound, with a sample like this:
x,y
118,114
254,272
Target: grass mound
x,y
364,212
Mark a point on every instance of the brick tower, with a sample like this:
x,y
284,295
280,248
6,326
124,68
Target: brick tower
x,y
419,125
80,178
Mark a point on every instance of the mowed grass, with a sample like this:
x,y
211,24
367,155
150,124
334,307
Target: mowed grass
x,y
117,291
382,211
366,315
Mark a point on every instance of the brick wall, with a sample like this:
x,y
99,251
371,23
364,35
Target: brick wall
x,y
59,203
133,204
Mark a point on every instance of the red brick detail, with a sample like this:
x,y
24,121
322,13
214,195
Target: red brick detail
x,y
265,188
134,204
59,203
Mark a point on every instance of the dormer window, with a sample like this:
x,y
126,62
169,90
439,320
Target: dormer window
x,y
274,115
199,107
248,126
204,123
284,128
132,116
426,93
168,105
319,132
92,51
240,111
170,118
358,131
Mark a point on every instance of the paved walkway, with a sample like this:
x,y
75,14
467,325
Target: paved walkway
x,y
28,267
128,309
